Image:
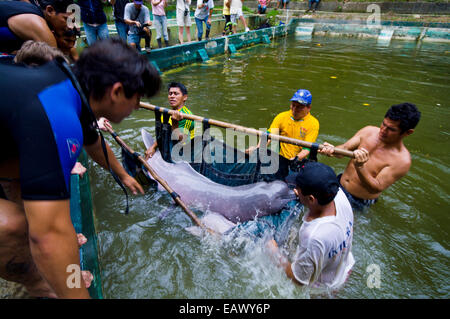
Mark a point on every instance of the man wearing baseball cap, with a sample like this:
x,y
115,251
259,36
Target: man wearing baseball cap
x,y
323,258
296,123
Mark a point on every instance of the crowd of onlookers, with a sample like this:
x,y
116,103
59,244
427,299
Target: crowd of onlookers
x,y
133,19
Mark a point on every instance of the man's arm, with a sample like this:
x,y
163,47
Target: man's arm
x,y
385,178
32,27
351,145
54,246
151,150
95,151
127,17
281,260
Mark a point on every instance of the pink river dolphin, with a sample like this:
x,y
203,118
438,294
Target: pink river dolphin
x,y
235,203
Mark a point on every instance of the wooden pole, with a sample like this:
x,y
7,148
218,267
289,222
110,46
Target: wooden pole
x,y
244,129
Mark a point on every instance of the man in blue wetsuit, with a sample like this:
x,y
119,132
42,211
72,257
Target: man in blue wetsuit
x,y
44,123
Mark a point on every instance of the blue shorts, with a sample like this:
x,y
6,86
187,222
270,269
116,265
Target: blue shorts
x,y
357,203
136,39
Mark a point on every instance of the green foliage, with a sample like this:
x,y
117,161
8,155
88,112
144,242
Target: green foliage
x,y
272,17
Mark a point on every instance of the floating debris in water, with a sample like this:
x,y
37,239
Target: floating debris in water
x,y
366,104
333,77
263,109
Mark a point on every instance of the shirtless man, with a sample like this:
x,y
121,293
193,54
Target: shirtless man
x,y
381,158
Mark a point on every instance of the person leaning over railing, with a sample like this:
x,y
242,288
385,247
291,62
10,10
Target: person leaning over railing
x,y
42,141
21,21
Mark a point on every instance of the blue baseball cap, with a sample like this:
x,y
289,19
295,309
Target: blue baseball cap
x,y
138,1
303,97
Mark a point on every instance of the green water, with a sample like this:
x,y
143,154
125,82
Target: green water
x,y
405,234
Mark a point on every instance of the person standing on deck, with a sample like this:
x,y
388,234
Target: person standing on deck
x,y
183,19
262,6
119,11
236,13
381,158
202,14
160,21
137,16
296,123
228,28
178,96
37,235
94,20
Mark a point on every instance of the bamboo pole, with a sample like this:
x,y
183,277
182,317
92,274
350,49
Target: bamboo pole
x,y
247,130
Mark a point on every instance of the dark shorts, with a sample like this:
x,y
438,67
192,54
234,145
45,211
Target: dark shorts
x,y
356,202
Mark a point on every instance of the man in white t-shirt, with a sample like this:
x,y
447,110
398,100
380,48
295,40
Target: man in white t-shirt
x,y
323,258
202,15
183,19
236,13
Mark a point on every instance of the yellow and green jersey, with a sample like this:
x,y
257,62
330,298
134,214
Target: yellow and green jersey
x,y
305,129
185,125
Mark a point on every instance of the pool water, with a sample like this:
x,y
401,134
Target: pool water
x,y
402,241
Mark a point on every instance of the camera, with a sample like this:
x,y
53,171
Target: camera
x,y
186,12
72,32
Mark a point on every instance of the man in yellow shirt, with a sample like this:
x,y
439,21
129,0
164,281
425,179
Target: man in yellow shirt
x,y
296,123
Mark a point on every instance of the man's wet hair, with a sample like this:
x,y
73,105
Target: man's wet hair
x,y
34,53
177,85
113,60
60,6
406,113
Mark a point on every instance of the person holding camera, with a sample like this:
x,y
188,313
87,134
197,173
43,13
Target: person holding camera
x,y
137,16
183,19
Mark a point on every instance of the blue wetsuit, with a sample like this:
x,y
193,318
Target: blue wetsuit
x,y
10,42
43,124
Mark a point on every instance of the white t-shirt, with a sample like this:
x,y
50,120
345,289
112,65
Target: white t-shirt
x,y
236,7
323,257
203,12
183,4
